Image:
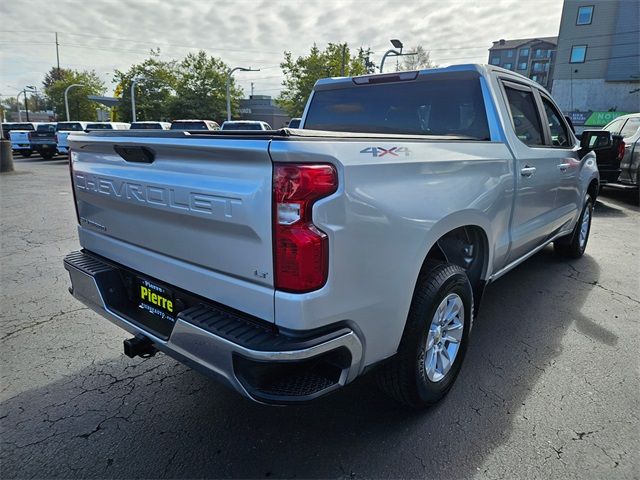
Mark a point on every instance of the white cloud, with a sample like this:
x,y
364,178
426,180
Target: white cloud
x,y
250,33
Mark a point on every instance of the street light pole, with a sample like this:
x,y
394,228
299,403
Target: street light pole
x,y
242,69
66,98
396,44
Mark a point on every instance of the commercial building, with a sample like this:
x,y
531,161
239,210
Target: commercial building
x,y
265,109
597,70
531,57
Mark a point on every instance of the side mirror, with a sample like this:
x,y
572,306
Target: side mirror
x,y
568,119
596,140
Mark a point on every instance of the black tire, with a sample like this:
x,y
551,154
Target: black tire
x,y
403,377
47,155
570,246
26,153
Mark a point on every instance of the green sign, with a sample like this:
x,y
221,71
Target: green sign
x,y
600,119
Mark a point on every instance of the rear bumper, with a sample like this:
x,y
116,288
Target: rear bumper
x,y
21,146
258,361
63,150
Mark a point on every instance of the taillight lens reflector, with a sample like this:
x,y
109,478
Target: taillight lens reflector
x,y
301,250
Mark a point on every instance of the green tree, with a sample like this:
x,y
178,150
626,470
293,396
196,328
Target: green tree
x,y
420,61
302,73
80,107
201,88
154,90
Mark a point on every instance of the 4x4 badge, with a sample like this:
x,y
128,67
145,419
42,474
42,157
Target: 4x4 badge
x,y
381,152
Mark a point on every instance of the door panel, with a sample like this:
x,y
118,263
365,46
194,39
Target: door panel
x,y
568,201
534,218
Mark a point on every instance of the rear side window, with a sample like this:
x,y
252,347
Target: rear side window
x,y
69,127
631,127
559,134
430,106
615,126
524,115
46,128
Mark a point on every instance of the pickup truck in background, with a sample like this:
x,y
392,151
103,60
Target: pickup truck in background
x,y
21,139
9,126
288,263
44,140
64,129
619,163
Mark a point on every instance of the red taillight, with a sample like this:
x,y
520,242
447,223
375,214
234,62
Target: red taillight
x,y
621,146
29,136
73,186
55,137
301,250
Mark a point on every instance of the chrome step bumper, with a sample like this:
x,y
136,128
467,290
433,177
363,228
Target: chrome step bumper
x,y
259,362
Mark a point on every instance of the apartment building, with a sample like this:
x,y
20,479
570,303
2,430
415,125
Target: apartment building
x,y
531,57
597,70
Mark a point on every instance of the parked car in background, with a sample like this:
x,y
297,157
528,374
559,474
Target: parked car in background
x,y
288,263
294,123
44,140
64,129
8,126
625,150
194,125
245,125
107,126
150,126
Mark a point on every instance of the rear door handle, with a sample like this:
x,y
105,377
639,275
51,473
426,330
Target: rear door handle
x,y
563,167
527,171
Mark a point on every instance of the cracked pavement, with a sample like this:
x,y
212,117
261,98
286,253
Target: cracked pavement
x,y
549,388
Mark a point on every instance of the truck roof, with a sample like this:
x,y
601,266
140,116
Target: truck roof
x,y
374,78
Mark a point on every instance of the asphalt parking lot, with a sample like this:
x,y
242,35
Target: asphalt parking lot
x,y
549,388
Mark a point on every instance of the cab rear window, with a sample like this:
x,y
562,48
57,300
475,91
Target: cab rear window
x,y
433,105
69,127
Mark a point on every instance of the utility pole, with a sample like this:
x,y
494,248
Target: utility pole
x,y
251,89
57,53
26,105
344,58
229,74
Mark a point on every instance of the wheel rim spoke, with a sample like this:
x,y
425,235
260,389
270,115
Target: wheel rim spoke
x,y
444,337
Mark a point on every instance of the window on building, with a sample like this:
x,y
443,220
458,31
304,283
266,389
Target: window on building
x,y
557,127
522,66
524,114
508,66
524,52
509,53
534,78
585,15
578,53
495,60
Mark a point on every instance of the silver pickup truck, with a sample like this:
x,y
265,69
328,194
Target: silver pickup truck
x,y
287,263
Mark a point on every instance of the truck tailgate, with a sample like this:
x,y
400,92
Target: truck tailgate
x,y
197,217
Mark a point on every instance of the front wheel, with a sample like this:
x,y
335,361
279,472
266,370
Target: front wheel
x,y
574,245
435,339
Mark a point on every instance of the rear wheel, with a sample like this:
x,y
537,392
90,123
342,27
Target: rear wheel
x,y
47,154
574,245
435,338
26,153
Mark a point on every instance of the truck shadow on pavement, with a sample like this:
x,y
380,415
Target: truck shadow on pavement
x,y
156,418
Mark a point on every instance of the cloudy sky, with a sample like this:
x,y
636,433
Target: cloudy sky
x,y
104,35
